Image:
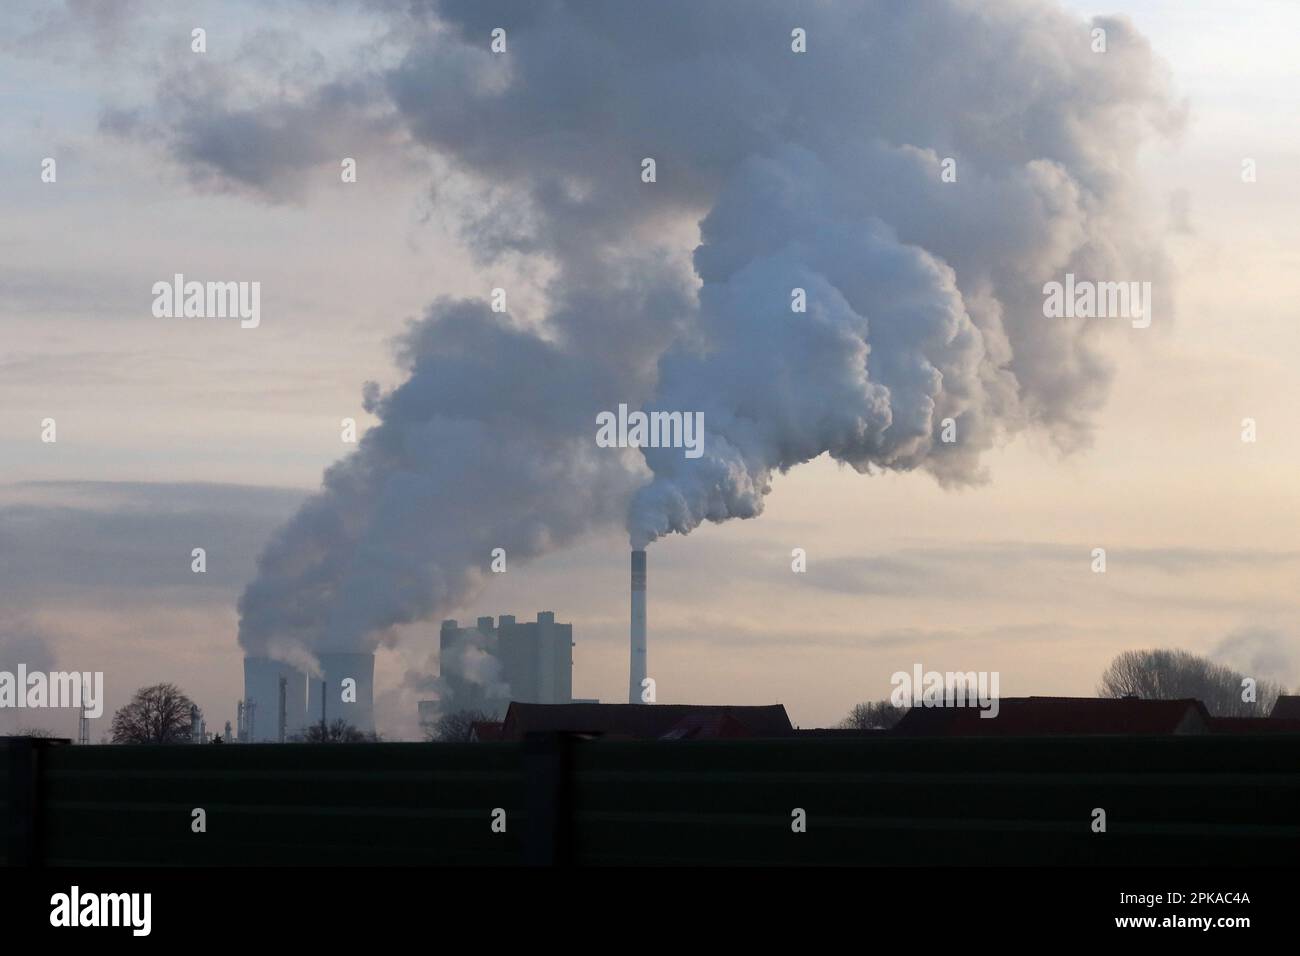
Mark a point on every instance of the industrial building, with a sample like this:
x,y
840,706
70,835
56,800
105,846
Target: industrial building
x,y
280,701
274,707
486,666
329,698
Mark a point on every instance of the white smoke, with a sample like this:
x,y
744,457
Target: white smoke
x,y
471,658
818,170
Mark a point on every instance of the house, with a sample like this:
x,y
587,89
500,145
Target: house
x,y
647,721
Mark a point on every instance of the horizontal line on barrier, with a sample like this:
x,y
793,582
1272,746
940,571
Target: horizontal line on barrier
x,y
929,779
954,824
360,810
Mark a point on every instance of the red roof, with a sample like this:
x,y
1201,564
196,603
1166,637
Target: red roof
x,y
643,721
703,726
1032,716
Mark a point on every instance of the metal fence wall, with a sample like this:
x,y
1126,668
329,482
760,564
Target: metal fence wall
x,y
879,801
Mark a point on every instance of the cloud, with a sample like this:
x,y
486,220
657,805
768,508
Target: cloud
x,y
23,642
124,541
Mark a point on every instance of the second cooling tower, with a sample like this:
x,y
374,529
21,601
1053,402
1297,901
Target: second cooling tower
x,y
637,670
354,702
262,700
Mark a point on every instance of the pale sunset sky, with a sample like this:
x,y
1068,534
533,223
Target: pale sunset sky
x,y
174,435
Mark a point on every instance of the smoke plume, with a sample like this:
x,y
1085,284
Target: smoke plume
x,y
776,170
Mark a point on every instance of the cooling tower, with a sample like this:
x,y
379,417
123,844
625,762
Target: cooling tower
x,y
638,663
262,699
337,668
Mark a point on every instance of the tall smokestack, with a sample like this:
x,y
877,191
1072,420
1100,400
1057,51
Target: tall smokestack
x,y
638,669
284,709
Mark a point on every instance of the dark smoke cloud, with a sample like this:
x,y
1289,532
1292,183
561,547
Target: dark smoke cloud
x,y
817,170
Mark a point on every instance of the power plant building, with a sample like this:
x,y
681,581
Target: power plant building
x,y
270,706
486,666
345,691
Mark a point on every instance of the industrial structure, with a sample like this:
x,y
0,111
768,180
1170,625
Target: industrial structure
x,y
485,667
266,682
637,670
344,691
281,701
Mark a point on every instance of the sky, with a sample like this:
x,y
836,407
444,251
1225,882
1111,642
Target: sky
x,y
176,434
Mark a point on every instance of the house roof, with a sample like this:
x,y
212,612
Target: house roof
x,y
1287,706
707,726
646,721
1030,716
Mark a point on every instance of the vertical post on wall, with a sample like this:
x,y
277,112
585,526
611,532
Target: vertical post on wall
x,y
548,799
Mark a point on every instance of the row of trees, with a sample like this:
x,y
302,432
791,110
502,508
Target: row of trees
x,y
1150,675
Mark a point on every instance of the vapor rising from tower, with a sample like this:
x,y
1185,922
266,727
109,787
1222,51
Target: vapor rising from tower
x,y
842,255
637,672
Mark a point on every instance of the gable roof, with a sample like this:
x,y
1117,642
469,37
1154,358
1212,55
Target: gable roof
x,y
707,726
1030,716
644,721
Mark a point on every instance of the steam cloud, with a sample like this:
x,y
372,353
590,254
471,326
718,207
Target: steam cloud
x,y
819,171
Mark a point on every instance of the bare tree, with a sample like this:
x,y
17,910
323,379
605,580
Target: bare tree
x,y
456,726
159,714
873,715
1172,675
35,732
339,732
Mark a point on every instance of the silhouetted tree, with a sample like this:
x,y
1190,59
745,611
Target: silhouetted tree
x,y
1172,675
159,714
339,732
873,715
34,732
456,726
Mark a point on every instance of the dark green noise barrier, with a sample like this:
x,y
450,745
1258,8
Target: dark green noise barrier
x,y
879,801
